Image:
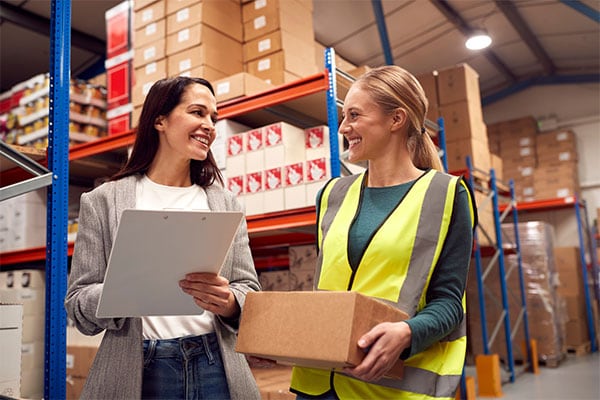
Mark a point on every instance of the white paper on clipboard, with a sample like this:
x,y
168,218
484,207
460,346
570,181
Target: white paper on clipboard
x,y
153,250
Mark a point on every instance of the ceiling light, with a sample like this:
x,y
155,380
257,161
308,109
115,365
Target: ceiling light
x,y
478,40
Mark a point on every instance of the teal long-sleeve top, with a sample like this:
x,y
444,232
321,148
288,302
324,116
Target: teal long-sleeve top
x,y
443,311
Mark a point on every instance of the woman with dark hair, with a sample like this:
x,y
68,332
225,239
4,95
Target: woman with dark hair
x,y
166,357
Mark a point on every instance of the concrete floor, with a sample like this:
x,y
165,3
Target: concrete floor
x,y
575,378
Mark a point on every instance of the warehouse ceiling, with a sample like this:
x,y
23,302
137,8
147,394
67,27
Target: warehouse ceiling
x,y
534,41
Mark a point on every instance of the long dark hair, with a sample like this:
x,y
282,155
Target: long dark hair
x,y
162,98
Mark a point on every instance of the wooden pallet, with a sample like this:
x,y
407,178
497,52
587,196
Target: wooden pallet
x,y
579,350
552,362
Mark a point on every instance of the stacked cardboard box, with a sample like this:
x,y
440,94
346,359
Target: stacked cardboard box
x,y
556,174
278,166
274,382
11,328
571,291
453,93
28,287
23,221
279,39
81,351
543,304
119,66
514,141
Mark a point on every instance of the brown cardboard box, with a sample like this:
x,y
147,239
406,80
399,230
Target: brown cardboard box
x,y
203,46
568,266
458,150
146,76
149,14
79,359
292,17
458,83
463,120
314,329
224,16
238,85
74,387
279,40
429,83
149,33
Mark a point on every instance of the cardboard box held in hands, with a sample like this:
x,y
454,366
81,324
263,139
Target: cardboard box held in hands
x,y
312,329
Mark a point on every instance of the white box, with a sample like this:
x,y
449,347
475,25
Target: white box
x,y
255,150
33,301
284,144
32,355
236,157
254,196
11,325
317,142
317,173
225,128
236,184
294,187
273,184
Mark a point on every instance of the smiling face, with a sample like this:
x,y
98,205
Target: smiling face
x,y
188,131
366,127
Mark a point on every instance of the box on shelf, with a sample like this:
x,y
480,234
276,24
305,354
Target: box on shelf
x,y
224,16
150,52
119,26
316,329
280,67
150,33
11,325
458,83
151,13
239,85
212,48
290,15
275,41
146,76
119,79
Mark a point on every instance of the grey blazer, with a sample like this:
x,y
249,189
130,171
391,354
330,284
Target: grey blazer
x,y
117,369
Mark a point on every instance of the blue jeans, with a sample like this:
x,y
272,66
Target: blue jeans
x,y
184,368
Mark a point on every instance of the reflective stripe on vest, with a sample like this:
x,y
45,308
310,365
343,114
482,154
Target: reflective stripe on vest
x,y
416,229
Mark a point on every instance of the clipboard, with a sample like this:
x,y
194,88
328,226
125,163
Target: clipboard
x,y
153,250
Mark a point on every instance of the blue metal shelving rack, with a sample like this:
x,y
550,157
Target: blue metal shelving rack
x,y
498,256
58,198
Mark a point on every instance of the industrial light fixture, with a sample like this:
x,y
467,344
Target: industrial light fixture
x,y
478,40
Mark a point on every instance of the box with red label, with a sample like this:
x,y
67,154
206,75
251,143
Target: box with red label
x,y
254,193
317,142
235,184
274,195
119,76
255,150
120,119
224,129
119,28
317,172
293,186
235,162
284,144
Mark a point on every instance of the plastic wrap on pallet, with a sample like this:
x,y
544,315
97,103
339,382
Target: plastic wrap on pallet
x,y
544,310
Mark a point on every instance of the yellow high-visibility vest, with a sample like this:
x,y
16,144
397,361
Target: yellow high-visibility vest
x,y
416,230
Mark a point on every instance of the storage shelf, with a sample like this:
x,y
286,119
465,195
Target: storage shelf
x,y
543,205
301,102
27,255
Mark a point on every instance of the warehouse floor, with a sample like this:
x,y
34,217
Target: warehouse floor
x,y
576,378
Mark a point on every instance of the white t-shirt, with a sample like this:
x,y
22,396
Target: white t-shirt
x,y
153,196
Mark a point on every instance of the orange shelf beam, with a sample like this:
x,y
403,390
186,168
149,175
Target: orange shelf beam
x,y
280,94
543,205
102,145
28,255
301,217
